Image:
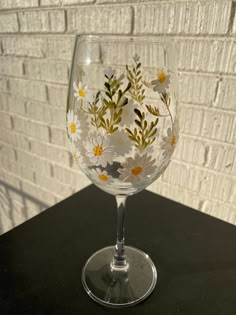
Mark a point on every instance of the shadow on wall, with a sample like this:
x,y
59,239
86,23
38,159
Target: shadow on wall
x,y
16,207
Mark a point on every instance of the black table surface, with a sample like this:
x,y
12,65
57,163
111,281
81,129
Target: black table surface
x,y
195,255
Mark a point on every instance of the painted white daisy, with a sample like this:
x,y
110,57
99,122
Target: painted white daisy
x,y
169,142
73,126
109,73
100,176
121,143
137,169
76,155
128,115
99,151
162,81
136,57
83,120
80,91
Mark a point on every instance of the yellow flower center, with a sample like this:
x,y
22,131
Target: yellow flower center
x,y
75,157
72,127
161,76
81,92
137,170
97,150
103,177
173,140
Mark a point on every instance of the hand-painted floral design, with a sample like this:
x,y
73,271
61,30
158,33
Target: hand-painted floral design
x,y
109,73
128,115
73,126
121,121
83,120
80,91
136,58
161,84
169,142
120,143
76,154
101,176
99,151
137,169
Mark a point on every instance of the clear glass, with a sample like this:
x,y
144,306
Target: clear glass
x,y
122,125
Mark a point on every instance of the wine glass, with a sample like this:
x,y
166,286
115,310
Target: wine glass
x,y
123,128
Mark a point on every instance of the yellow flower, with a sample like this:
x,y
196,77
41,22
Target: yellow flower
x,y
99,151
137,169
170,140
80,90
162,81
161,76
73,126
100,177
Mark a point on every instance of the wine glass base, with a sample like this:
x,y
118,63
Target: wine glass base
x,y
119,287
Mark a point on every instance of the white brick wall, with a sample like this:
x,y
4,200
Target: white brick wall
x,y
36,44
42,21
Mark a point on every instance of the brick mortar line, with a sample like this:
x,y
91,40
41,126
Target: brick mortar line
x,y
34,181
75,171
108,4
22,179
211,171
24,79
206,74
37,35
30,153
166,35
196,194
68,63
202,195
67,7
45,82
186,136
204,107
193,137
210,141
27,99
17,115
53,126
164,181
222,37
123,5
162,1
18,148
182,133
216,141
68,168
61,61
190,35
25,117
203,168
37,140
39,59
178,161
34,80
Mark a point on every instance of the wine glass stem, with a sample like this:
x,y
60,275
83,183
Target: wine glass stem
x,y
119,259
